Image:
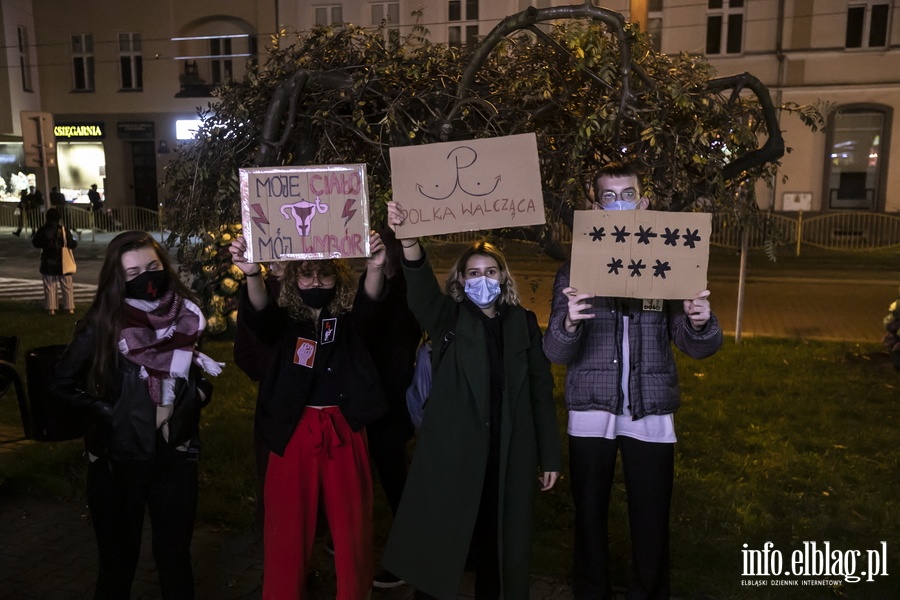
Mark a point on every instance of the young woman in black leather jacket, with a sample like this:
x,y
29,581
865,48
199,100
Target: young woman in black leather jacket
x,y
132,369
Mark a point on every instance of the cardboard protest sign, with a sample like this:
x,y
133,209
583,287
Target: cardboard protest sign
x,y
305,213
467,186
640,253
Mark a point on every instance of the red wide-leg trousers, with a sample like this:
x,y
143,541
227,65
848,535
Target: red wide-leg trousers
x,y
324,458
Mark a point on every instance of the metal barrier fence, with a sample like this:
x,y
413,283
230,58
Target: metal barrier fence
x,y
120,218
834,231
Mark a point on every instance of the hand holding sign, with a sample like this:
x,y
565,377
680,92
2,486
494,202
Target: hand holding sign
x,y
238,251
640,253
577,306
698,310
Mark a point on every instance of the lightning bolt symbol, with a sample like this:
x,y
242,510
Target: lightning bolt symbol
x,y
260,217
348,212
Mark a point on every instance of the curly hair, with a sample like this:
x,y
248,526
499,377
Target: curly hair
x,y
509,293
345,288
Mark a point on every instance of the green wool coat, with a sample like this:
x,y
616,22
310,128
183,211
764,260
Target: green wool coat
x,y
430,537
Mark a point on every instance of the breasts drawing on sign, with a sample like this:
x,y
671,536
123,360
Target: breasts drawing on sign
x,y
480,184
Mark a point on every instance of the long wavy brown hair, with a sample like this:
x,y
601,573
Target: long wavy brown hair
x,y
106,313
509,293
345,288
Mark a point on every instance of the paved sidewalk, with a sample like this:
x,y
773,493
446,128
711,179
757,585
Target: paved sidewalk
x,y
47,552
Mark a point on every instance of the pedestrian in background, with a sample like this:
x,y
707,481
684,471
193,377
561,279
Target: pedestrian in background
x,y
21,212
54,239
58,201
133,368
34,200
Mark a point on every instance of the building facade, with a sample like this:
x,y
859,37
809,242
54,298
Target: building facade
x,y
124,79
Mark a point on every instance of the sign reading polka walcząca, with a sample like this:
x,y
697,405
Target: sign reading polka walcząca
x,y
640,253
470,185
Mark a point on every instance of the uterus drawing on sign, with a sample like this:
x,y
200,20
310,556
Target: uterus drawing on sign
x,y
456,178
303,212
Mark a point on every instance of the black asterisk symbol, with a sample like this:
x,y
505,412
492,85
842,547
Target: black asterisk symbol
x,y
636,268
691,237
660,268
645,235
671,237
615,265
597,234
620,234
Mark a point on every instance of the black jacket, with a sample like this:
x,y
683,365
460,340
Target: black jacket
x,y
342,370
123,424
49,238
392,337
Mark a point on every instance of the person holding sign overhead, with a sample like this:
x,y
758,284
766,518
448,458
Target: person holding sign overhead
x,y
319,392
489,437
621,394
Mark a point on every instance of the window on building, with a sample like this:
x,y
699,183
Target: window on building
x,y
25,59
387,14
655,23
330,15
724,26
83,62
131,65
461,11
221,66
867,25
855,165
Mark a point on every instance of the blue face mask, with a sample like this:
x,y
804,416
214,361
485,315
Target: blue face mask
x,y
621,205
482,291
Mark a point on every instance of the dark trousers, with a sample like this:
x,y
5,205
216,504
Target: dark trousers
x,y
118,493
484,553
388,437
649,472
21,221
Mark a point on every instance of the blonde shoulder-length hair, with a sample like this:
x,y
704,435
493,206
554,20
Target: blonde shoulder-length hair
x,y
345,288
509,293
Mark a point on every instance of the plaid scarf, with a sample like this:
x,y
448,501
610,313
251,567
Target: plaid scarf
x,y
159,335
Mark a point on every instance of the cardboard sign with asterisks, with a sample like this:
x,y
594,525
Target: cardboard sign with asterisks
x,y
640,253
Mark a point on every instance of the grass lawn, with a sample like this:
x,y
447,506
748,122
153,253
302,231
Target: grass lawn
x,y
779,441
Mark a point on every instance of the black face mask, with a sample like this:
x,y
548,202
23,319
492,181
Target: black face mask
x,y
149,285
317,297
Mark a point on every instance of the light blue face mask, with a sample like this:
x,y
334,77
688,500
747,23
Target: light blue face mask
x,y
482,291
621,205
